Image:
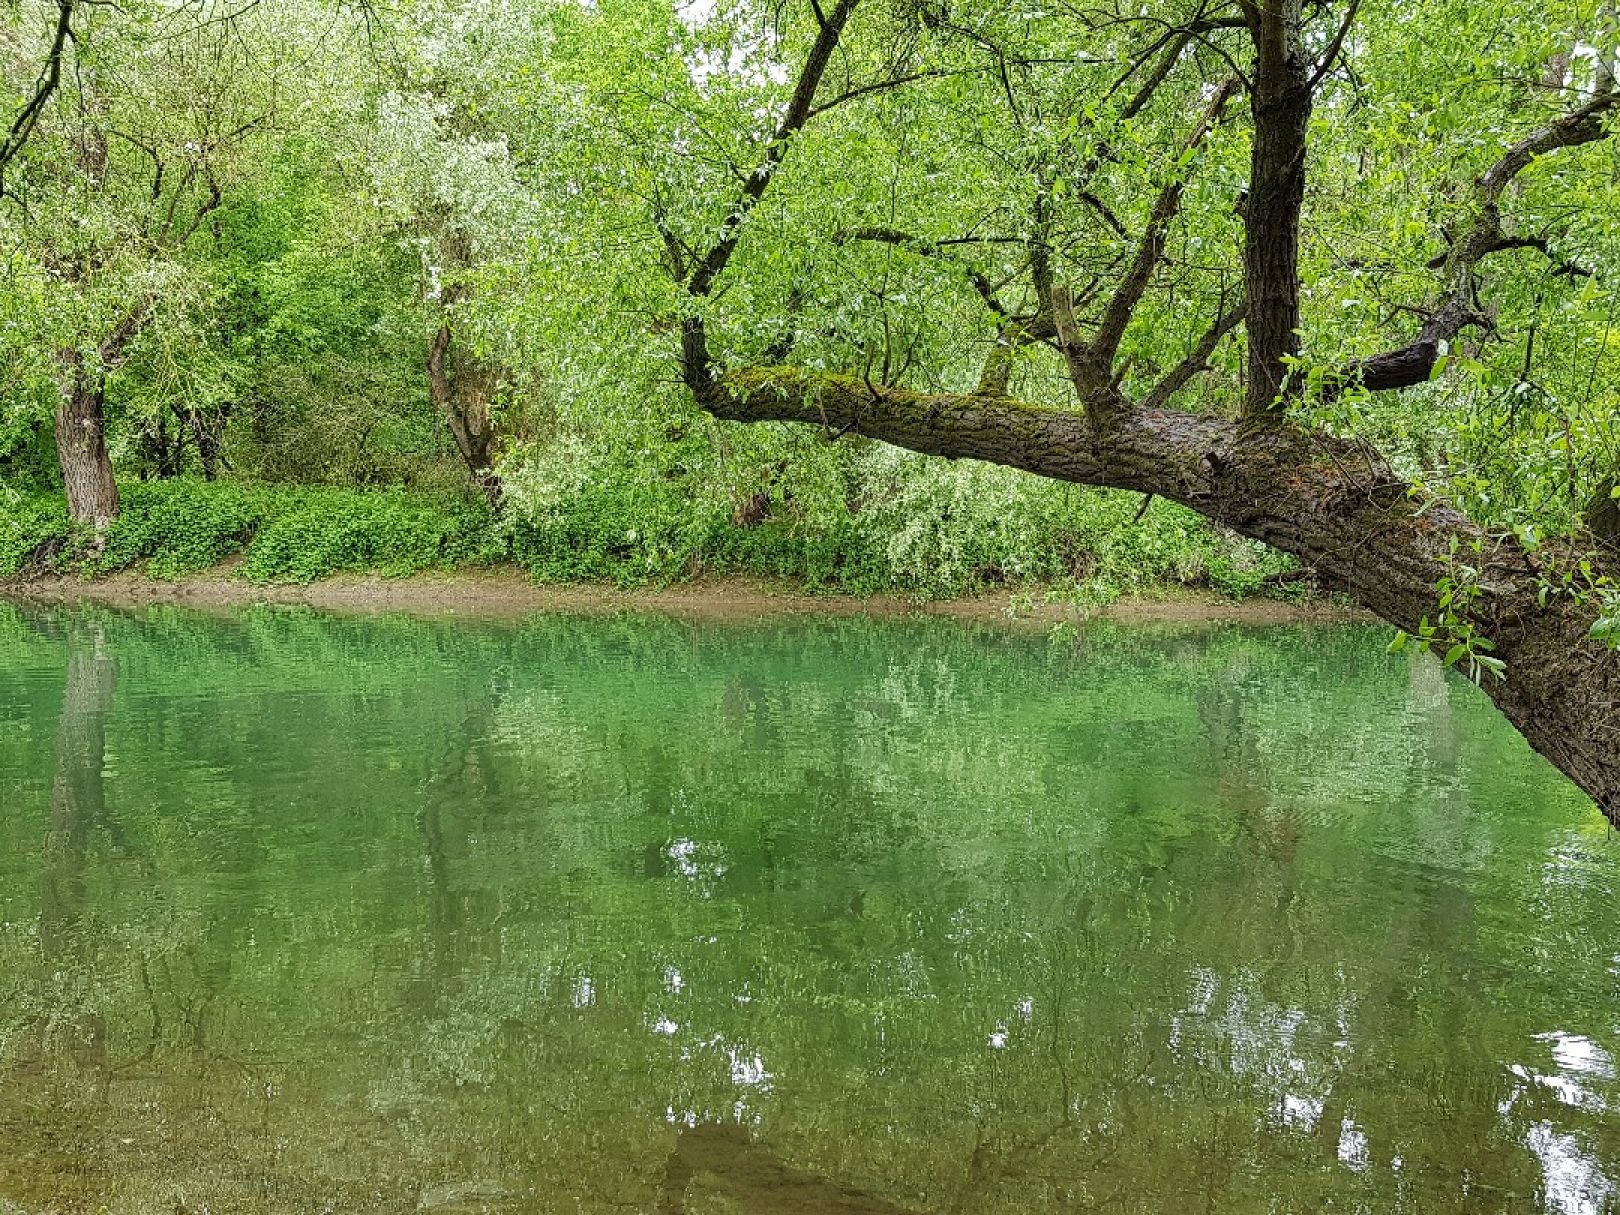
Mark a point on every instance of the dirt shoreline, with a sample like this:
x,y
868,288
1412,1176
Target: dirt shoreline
x,y
508,593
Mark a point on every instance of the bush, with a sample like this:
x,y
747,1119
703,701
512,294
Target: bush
x,y
31,528
826,554
632,507
388,532
287,533
861,518
179,527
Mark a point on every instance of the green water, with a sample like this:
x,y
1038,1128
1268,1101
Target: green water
x,y
305,914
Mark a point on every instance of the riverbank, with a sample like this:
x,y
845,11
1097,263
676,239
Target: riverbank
x,y
505,592
1095,546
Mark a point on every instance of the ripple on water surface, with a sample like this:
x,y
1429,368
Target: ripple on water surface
x,y
304,913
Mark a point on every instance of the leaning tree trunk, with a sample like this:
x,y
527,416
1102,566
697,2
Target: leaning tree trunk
x,y
81,449
462,389
1331,502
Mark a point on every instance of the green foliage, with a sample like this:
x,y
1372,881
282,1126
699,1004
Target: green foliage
x,y
179,527
1607,626
283,533
30,528
388,532
541,176
172,528
1453,633
855,517
877,524
627,504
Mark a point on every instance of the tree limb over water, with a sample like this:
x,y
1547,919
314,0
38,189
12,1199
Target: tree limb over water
x,y
1335,503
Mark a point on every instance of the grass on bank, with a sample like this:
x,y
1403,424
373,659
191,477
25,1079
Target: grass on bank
x,y
1089,540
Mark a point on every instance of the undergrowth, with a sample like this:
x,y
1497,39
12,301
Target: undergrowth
x,y
282,533
924,535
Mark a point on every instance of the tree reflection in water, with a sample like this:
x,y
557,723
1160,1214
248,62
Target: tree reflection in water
x,y
310,913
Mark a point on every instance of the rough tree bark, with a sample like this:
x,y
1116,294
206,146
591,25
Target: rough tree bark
x,y
462,388
81,422
1281,104
1602,514
81,447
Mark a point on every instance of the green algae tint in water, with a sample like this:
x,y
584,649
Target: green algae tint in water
x,y
306,914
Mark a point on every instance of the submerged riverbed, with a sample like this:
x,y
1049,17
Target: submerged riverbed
x,y
305,913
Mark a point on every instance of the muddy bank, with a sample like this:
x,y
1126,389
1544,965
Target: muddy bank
x,y
509,593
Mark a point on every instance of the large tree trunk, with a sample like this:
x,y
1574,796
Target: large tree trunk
x,y
81,449
462,389
1331,502
1281,104
81,422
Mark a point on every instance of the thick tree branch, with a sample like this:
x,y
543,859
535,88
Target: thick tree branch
x,y
1560,265
1331,55
695,360
1581,126
1333,503
1174,46
1097,365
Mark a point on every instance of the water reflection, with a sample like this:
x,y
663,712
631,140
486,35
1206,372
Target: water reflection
x,y
300,913
78,813
727,1159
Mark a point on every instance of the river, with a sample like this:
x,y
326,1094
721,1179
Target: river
x,y
318,913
